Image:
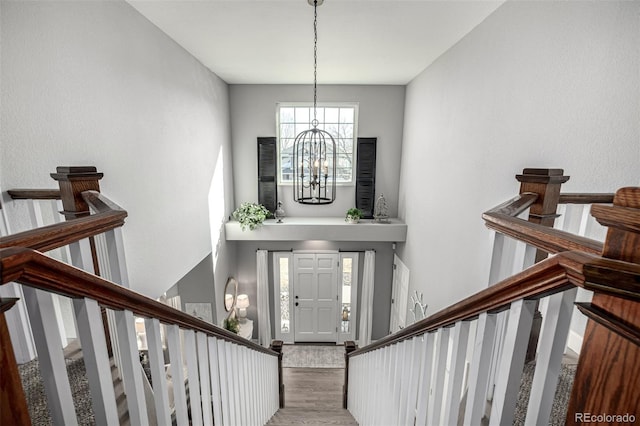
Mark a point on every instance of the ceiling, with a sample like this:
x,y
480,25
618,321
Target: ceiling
x,y
359,41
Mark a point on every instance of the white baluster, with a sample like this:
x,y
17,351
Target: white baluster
x,y
385,384
214,362
131,368
393,373
405,382
496,269
480,368
550,351
242,386
96,360
512,361
426,376
17,317
116,270
354,381
224,385
251,389
252,373
501,329
371,394
158,374
561,211
414,373
231,384
177,375
191,355
436,397
117,258
274,385
18,324
262,401
205,385
115,346
52,365
236,383
456,373
353,386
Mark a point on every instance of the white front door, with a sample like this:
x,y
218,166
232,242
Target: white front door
x,y
315,297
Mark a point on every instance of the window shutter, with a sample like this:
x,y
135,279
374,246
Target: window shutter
x,y
366,176
267,173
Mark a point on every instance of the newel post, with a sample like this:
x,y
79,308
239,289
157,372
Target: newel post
x,y
349,346
608,373
546,183
73,181
13,405
276,346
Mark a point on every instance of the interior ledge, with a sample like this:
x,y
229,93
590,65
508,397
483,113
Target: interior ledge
x,y
319,228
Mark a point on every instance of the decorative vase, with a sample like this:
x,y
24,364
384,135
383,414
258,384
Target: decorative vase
x,y
353,219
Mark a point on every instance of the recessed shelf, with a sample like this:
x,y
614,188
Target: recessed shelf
x,y
319,228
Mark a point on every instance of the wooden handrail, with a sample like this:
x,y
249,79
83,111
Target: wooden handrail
x,y
578,198
50,237
502,219
34,269
550,276
34,194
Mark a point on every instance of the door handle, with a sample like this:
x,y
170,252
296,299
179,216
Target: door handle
x,y
296,297
297,303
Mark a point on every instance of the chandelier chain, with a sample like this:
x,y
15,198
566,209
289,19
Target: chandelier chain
x,y
315,58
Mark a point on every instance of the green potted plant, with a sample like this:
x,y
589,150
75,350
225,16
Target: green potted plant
x,y
232,324
251,215
354,215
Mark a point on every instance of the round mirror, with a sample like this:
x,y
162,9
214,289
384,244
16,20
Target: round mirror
x,y
230,293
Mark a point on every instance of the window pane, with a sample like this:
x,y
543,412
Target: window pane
x,y
331,115
302,115
287,115
346,115
346,131
301,127
332,129
287,131
347,274
344,146
284,295
337,121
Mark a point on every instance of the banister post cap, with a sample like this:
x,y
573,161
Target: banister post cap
x,y
73,180
542,176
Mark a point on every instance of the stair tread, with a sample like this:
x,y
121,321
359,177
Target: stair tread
x,y
306,416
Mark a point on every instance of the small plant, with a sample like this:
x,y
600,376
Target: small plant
x,y
251,215
354,215
232,324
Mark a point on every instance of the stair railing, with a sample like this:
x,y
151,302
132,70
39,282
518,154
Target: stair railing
x,y
217,377
420,374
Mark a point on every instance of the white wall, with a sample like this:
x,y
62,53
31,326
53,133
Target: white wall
x,y
253,114
95,83
537,84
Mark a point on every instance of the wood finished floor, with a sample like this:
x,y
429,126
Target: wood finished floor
x,y
313,396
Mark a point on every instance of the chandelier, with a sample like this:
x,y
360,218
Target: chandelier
x,y
314,150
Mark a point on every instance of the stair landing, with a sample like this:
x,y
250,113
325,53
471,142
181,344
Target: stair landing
x,y
313,396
